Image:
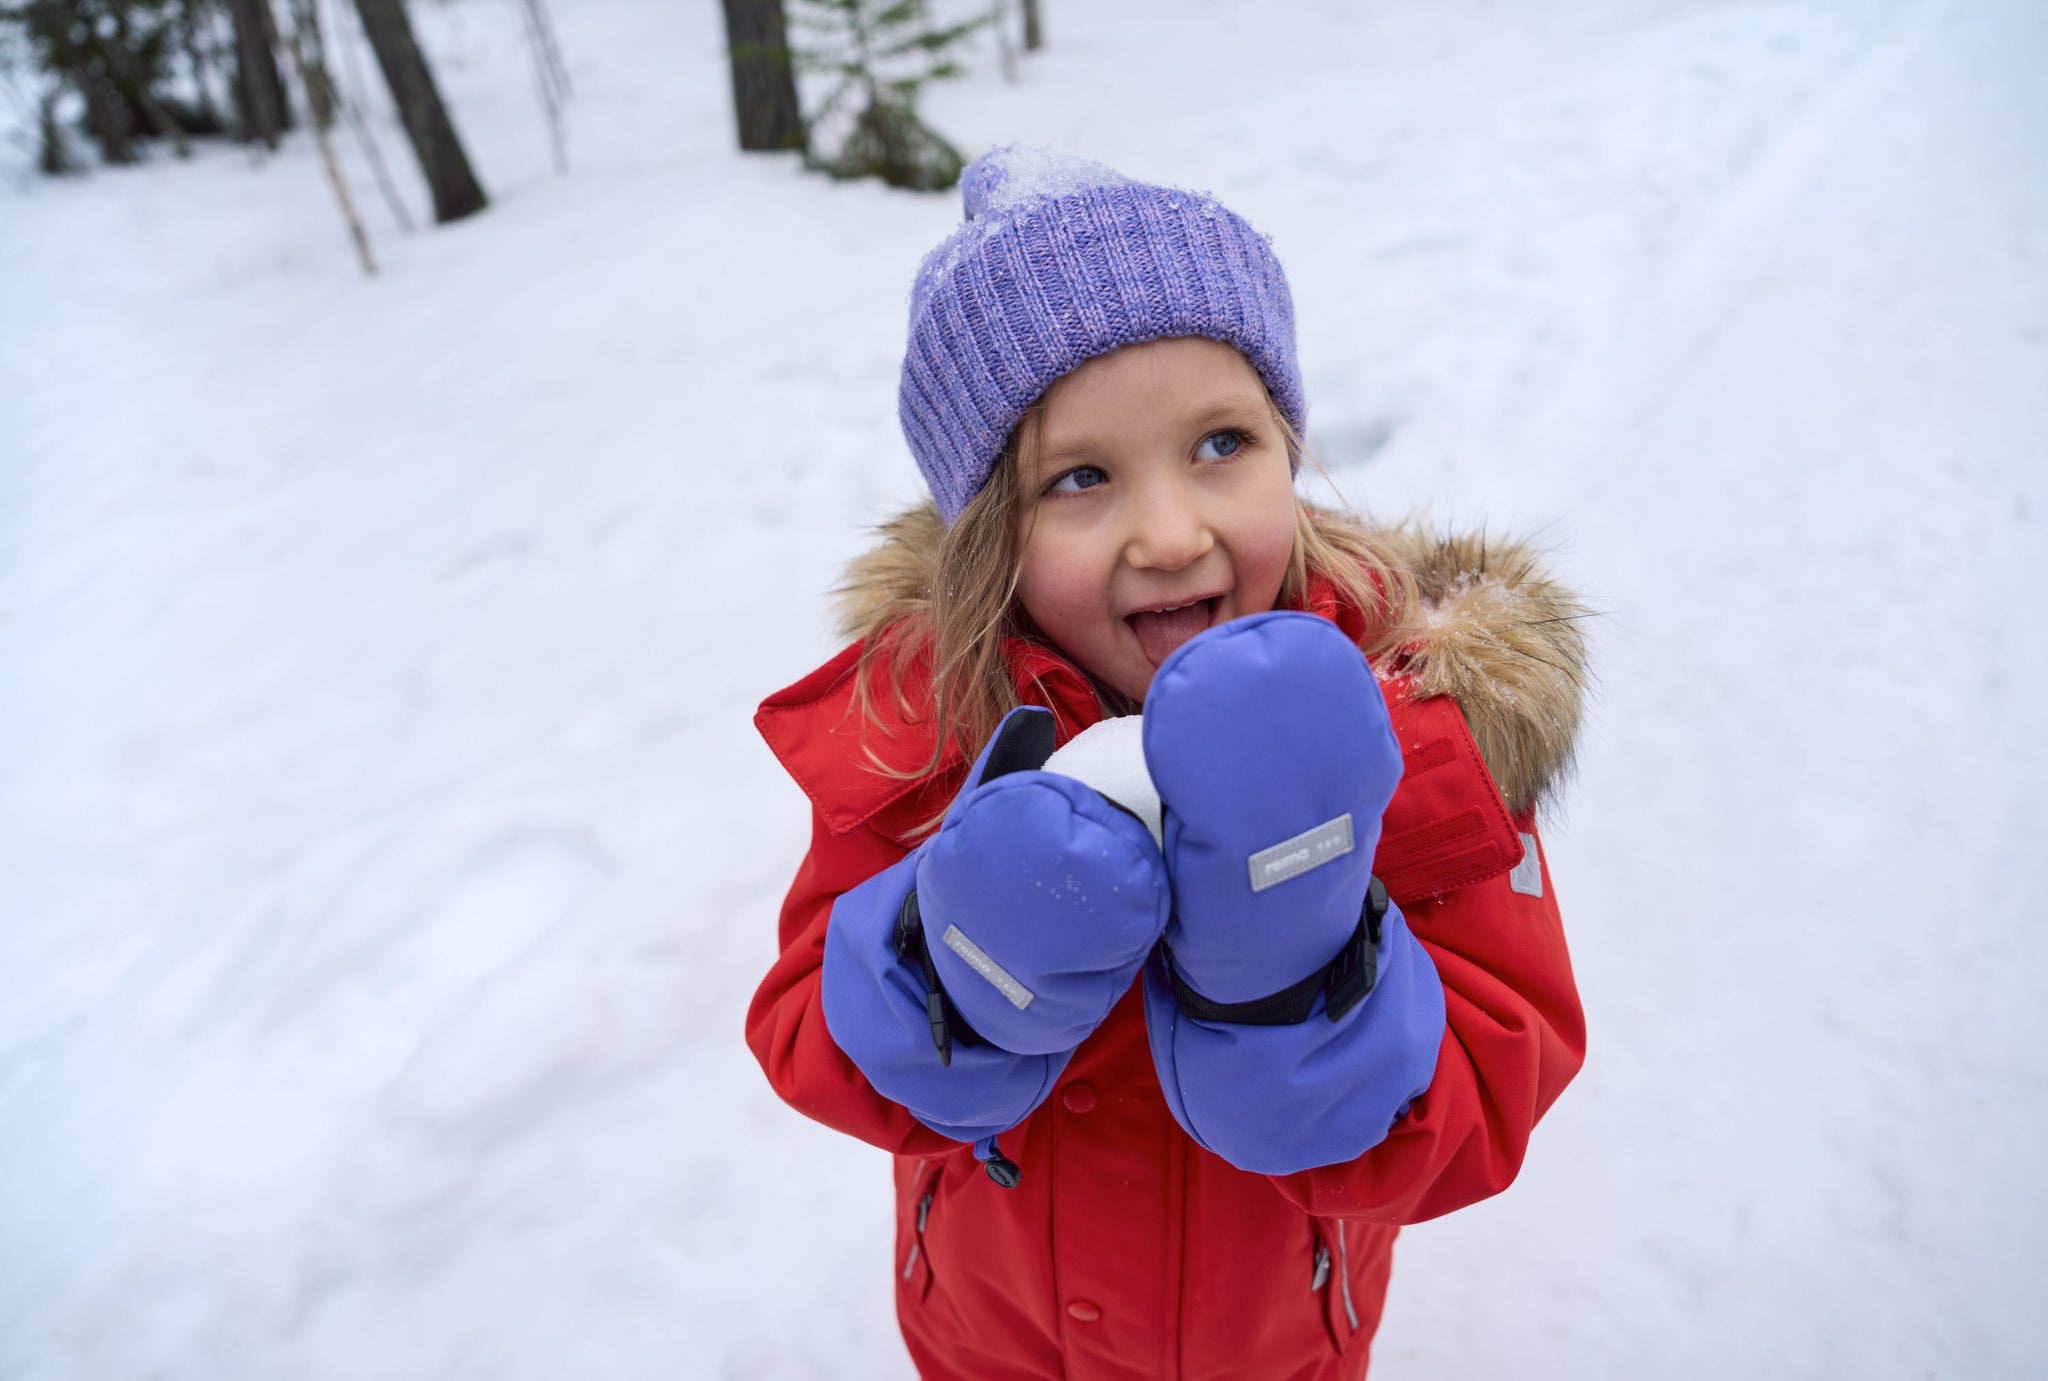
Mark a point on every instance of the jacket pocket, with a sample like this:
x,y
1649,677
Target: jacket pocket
x,y
914,1262
1331,1278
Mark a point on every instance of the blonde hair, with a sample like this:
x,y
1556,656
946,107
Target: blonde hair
x,y
955,612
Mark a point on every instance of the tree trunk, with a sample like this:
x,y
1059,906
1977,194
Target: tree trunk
x,y
259,87
1034,36
106,114
313,80
188,32
763,87
126,71
52,158
308,47
453,186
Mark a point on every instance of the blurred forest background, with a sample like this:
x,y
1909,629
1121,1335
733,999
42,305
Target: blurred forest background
x,y
428,429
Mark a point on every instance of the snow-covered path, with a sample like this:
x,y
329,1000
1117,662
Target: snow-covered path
x,y
386,857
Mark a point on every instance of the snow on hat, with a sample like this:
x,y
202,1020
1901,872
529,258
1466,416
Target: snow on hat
x,y
1060,260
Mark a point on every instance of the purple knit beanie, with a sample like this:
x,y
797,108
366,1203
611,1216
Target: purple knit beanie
x,y
1060,260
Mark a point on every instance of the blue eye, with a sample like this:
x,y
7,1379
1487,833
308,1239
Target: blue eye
x,y
1077,479
1218,445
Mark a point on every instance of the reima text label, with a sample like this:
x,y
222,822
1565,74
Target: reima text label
x,y
1305,852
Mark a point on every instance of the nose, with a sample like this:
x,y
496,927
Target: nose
x,y
1169,528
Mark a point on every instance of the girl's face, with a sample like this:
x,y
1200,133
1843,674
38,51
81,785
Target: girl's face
x,y
1158,502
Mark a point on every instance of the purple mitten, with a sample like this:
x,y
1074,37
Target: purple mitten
x,y
1292,1016
878,1009
960,979
1274,759
1039,897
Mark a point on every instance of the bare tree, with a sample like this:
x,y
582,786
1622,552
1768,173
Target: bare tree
x,y
52,158
550,76
309,60
1006,48
190,22
351,105
307,44
1034,36
763,83
543,28
259,86
453,186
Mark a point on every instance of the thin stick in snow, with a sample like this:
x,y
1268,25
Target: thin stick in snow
x,y
351,103
348,208
544,26
323,115
999,22
544,80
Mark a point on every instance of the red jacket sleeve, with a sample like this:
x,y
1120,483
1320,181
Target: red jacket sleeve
x,y
786,1021
1514,1036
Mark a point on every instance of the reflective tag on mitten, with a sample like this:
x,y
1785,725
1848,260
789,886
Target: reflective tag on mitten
x,y
1307,851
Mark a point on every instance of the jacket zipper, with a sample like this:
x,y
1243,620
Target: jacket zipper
x,y
1344,1276
924,1213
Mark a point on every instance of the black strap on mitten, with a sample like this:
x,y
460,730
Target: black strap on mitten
x,y
1343,982
947,1023
1022,744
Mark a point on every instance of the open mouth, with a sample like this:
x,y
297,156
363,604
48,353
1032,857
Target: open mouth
x,y
1160,631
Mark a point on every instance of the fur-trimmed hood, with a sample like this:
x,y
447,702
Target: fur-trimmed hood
x,y
1493,631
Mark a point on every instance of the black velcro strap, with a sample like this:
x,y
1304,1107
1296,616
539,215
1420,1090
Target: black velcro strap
x,y
1343,982
948,1025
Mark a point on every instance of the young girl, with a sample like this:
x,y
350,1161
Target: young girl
x,y
1161,1093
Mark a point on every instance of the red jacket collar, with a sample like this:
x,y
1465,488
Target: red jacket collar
x,y
1445,829
853,766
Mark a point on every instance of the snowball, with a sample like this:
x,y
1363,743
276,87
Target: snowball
x,y
1111,758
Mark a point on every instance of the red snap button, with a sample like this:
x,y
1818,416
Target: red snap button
x,y
1079,1096
1084,1311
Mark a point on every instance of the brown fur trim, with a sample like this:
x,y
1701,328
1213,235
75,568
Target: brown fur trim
x,y
894,577
1502,639
1495,633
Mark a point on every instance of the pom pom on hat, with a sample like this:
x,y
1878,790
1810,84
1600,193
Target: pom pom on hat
x,y
1016,175
1059,260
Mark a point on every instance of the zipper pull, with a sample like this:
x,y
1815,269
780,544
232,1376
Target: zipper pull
x,y
999,1167
1322,1275
924,1211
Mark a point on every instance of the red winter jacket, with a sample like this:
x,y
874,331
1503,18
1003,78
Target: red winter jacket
x,y
1127,1251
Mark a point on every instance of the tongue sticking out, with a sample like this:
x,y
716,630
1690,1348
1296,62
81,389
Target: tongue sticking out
x,y
1160,633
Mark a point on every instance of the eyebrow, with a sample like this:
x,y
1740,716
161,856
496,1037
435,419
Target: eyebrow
x,y
1236,408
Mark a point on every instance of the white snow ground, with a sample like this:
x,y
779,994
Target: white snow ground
x,y
386,857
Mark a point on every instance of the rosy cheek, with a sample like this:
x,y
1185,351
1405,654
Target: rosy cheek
x,y
1265,554
1058,594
